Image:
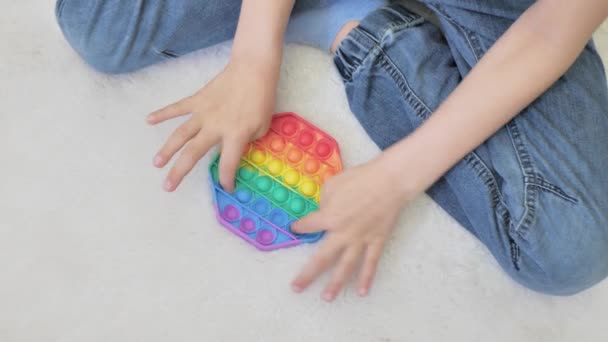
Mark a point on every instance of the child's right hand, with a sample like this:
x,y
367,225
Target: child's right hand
x,y
233,109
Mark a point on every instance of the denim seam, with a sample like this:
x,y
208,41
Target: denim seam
x,y
421,109
542,184
533,182
487,177
523,156
497,203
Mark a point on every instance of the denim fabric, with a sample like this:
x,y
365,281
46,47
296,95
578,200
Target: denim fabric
x,y
535,193
120,36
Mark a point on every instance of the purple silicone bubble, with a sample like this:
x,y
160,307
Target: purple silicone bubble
x,y
231,213
248,225
266,237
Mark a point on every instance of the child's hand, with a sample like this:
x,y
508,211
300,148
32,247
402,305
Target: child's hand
x,y
233,109
359,209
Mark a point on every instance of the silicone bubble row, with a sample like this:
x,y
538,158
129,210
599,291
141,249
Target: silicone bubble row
x,y
305,137
254,181
309,164
253,226
287,174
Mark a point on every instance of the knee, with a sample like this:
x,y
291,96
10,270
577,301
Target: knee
x,y
567,267
93,38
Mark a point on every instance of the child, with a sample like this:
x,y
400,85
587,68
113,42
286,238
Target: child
x,y
499,112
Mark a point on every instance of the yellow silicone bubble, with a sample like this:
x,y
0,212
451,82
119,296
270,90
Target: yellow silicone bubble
x,y
258,157
275,167
292,177
308,188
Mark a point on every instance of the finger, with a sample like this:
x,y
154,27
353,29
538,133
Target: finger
x,y
310,224
174,110
370,265
176,141
193,152
232,150
320,262
342,272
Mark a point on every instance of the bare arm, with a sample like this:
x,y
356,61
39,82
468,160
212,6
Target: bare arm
x,y
260,32
528,59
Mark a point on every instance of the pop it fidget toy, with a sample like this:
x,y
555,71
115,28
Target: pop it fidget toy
x,y
278,182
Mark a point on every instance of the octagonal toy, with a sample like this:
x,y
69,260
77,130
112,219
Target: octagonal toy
x,y
278,182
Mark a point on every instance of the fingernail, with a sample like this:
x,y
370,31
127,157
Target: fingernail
x,y
328,296
168,186
150,118
296,288
158,161
362,292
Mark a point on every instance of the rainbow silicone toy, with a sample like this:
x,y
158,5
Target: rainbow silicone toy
x,y
278,182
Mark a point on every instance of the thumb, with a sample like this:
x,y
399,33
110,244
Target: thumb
x,y
230,159
310,224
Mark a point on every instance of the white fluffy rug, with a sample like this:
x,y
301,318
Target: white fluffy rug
x,y
91,249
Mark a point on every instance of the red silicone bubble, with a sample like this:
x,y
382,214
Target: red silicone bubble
x,y
323,149
306,138
289,127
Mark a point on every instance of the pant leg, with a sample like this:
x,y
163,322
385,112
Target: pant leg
x,y
119,36
535,192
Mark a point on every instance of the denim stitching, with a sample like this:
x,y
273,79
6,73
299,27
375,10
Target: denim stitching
x,y
525,162
487,177
542,184
421,109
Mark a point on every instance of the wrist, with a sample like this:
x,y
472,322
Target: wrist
x,y
268,63
398,168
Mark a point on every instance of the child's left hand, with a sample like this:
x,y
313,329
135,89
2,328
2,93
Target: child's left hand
x,y
358,209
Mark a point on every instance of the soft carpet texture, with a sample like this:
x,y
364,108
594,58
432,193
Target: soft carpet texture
x,y
91,249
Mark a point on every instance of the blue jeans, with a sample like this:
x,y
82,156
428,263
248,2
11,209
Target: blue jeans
x,y
535,193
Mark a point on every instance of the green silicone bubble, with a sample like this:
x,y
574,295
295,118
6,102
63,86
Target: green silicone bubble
x,y
247,172
263,183
280,194
297,205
